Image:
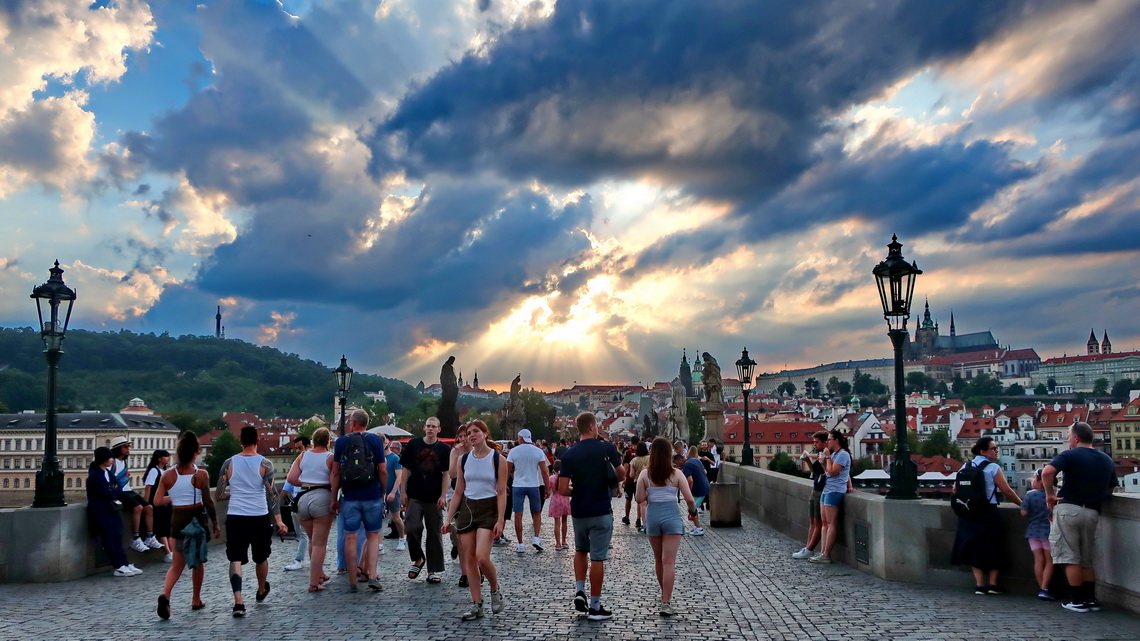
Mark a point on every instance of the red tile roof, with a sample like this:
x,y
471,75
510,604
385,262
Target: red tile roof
x,y
1088,358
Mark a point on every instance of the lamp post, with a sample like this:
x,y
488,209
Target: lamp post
x,y
744,369
343,381
49,479
895,278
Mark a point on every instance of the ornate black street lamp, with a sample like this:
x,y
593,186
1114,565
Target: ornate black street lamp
x,y
744,369
895,278
343,382
49,480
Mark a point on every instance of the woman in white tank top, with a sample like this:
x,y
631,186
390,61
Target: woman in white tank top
x,y
458,449
478,509
657,487
185,488
310,472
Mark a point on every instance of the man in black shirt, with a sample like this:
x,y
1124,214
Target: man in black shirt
x,y
423,484
1089,478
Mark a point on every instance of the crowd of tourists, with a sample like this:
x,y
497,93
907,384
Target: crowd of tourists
x,y
466,491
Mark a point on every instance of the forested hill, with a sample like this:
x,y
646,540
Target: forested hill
x,y
201,375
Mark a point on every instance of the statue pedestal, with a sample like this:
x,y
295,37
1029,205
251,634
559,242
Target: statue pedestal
x,y
714,423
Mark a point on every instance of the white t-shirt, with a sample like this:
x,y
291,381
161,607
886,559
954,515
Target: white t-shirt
x,y
526,459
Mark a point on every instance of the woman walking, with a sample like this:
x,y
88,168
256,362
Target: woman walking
x,y
186,488
310,472
458,448
657,489
637,465
103,509
559,508
477,508
978,541
157,516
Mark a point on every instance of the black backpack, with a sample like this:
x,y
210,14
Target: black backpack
x,y
970,498
357,466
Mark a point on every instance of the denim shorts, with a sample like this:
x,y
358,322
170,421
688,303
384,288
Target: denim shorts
x,y
662,518
832,499
520,494
370,513
592,534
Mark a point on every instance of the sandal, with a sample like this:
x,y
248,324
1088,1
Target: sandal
x,y
316,588
197,606
163,606
239,609
433,578
325,578
414,571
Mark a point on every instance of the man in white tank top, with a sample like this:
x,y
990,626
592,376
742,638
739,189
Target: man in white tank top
x,y
247,481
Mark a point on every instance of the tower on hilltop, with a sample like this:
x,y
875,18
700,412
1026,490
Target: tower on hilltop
x,y
218,323
1105,346
1093,345
685,373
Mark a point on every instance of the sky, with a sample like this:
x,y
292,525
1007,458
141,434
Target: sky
x,y
574,190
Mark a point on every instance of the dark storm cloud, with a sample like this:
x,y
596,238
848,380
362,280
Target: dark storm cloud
x,y
781,69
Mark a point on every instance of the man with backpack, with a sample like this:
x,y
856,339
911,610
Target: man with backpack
x,y
359,472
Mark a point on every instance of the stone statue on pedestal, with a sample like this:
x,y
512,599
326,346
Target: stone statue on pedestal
x,y
710,378
679,414
516,409
446,413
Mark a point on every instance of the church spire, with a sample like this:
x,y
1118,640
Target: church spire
x,y
1094,347
927,323
953,332
475,381
1105,346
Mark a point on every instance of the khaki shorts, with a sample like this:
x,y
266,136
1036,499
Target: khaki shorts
x,y
476,514
1071,534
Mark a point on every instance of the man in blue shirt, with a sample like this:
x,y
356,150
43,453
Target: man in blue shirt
x,y
362,502
591,474
392,502
1089,478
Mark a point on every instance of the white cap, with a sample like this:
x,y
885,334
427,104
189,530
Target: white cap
x,y
525,436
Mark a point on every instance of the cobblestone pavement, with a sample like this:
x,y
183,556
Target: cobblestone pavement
x,y
731,584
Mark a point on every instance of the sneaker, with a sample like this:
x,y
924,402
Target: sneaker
x,y
820,558
536,543
1093,605
475,612
402,545
993,589
521,549
640,529
353,588
123,571
980,590
666,609
132,568
374,583
580,601
153,543
600,614
138,546
625,520
382,550
1075,606
169,558
698,531
502,540
1044,595
295,565
497,603
804,553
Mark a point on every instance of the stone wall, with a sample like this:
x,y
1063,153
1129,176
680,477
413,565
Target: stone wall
x,y
911,540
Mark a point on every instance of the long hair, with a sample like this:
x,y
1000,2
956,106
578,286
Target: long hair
x,y
839,438
482,427
154,459
660,461
187,448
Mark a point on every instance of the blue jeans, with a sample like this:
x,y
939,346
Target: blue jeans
x,y
340,532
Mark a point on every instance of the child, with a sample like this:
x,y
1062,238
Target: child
x,y
559,508
1034,508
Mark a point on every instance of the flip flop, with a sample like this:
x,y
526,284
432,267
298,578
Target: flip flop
x,y
197,606
414,571
316,588
163,606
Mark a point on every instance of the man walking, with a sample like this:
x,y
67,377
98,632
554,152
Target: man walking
x,y
593,467
528,464
246,479
359,472
1090,477
393,505
423,482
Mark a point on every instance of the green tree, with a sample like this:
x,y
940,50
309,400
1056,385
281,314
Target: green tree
x,y
984,385
3,408
939,443
811,387
911,439
188,422
413,419
785,464
539,414
224,446
843,387
1100,387
787,387
308,427
1051,384
833,385
957,386
1015,390
696,421
378,414
1040,390
917,382
1120,389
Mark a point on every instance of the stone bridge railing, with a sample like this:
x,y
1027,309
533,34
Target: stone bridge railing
x,y
910,540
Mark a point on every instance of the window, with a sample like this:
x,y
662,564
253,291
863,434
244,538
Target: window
x,y
18,442
27,483
91,444
7,463
5,484
769,449
79,482
69,482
